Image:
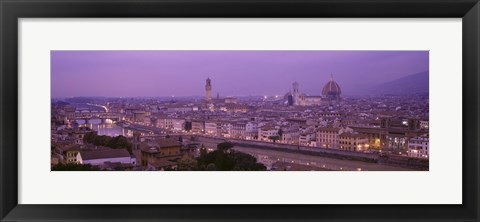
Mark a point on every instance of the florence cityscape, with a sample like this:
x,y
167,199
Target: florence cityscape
x,y
248,110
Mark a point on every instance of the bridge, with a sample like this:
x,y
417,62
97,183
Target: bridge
x,y
94,115
148,129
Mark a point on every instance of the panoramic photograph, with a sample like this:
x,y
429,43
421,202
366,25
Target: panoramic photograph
x,y
239,110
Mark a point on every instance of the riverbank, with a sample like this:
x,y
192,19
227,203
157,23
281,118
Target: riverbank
x,y
405,163
271,157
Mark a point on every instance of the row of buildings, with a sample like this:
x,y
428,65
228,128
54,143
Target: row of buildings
x,y
145,153
396,135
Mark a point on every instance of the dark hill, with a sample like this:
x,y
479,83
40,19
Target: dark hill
x,y
412,84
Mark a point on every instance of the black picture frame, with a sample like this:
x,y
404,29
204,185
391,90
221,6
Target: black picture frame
x,y
12,10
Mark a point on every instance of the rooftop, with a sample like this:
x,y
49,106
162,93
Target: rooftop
x,y
104,154
353,135
155,146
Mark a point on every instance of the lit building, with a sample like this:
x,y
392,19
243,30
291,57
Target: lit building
x,y
211,128
290,136
376,136
424,124
305,139
178,124
251,131
72,155
265,133
353,142
329,137
238,130
418,146
165,123
147,121
198,126
244,130
139,116
224,129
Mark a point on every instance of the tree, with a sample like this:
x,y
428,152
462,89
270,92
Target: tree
x,y
224,146
188,126
89,137
274,138
187,163
280,133
118,142
211,167
226,159
203,150
247,162
101,140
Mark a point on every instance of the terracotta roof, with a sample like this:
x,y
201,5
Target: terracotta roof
x,y
155,146
168,143
331,88
328,129
354,135
104,154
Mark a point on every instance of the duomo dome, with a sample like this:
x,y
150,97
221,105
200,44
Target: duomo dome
x,y
331,89
330,95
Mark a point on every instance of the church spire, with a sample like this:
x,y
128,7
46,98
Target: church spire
x,y
331,77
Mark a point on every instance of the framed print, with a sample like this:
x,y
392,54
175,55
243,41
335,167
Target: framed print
x,y
267,110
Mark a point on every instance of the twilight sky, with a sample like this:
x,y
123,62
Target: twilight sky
x,y
233,73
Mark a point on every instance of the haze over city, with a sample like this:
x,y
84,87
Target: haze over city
x,y
233,73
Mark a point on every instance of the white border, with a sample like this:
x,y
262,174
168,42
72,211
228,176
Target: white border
x,y
441,185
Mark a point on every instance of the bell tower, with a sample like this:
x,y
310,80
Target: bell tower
x,y
208,90
296,93
136,148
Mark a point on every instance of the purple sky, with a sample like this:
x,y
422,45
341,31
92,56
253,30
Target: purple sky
x,y
183,73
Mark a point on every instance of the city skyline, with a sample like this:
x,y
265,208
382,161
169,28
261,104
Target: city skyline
x,y
233,73
329,110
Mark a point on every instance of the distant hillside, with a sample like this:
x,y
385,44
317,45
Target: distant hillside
x,y
412,84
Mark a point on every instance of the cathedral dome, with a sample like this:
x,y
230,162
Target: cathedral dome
x,y
331,88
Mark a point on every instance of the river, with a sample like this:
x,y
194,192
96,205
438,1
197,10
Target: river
x,y
269,157
109,128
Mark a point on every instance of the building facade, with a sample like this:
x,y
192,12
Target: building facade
x,y
329,137
353,142
418,146
211,128
198,126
